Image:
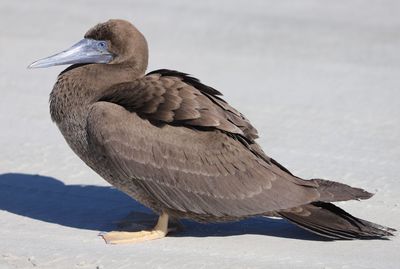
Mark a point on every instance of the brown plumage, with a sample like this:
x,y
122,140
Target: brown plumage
x,y
175,145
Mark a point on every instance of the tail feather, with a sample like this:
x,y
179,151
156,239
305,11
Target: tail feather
x,y
333,222
332,191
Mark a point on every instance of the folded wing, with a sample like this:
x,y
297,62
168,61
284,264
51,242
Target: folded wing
x,y
189,150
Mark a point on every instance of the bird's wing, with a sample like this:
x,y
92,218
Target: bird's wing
x,y
180,147
174,97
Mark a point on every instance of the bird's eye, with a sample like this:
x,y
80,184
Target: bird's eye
x,y
102,44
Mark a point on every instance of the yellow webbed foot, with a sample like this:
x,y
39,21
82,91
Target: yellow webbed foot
x,y
159,231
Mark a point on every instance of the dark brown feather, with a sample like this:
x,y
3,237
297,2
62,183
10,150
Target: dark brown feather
x,y
206,173
179,99
187,79
333,222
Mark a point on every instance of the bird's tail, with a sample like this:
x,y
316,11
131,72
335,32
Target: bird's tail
x,y
333,222
331,191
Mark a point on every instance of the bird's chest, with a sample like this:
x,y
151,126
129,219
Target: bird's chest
x,y
74,133
69,109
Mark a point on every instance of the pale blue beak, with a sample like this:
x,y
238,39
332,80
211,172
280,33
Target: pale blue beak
x,y
85,51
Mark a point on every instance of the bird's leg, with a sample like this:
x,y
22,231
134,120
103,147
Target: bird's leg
x,y
159,231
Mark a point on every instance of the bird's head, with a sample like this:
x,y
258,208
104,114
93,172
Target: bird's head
x,y
113,42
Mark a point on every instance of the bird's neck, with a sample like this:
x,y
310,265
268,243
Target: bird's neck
x,y
78,87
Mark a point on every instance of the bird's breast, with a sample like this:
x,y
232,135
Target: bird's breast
x,y
69,106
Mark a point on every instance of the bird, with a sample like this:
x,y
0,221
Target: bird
x,y
176,146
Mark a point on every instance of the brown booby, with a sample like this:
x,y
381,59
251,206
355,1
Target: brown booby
x,y
173,144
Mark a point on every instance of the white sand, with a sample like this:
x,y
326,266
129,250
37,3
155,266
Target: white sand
x,y
319,79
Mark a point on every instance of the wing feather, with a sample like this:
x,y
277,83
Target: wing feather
x,y
169,99
188,170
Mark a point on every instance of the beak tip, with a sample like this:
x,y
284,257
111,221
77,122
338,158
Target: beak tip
x,y
31,66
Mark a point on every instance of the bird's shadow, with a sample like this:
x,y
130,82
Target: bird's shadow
x,y
104,208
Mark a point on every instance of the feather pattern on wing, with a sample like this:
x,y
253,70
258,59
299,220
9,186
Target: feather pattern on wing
x,y
189,150
173,97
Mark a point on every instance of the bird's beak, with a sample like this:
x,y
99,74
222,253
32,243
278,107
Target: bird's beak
x,y
85,51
